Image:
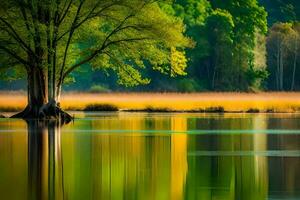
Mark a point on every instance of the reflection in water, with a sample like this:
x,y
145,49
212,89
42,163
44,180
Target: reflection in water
x,y
114,157
45,164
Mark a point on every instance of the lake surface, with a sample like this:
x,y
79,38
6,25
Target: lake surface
x,y
152,157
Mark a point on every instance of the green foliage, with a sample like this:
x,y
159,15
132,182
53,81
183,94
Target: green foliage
x,y
144,39
99,89
283,46
12,74
248,19
220,27
178,63
101,107
123,36
193,12
188,85
255,77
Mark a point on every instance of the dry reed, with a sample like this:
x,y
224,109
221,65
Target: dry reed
x,y
230,102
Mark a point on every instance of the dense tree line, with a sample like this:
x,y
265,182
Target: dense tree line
x,y
239,45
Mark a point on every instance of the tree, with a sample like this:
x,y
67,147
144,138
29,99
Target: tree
x,y
295,49
257,72
283,47
249,18
220,26
49,39
194,14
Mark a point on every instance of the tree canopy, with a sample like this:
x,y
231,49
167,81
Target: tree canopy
x,y
121,35
49,39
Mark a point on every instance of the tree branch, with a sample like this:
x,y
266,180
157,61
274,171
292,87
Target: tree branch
x,y
15,35
89,58
90,15
23,11
9,65
118,62
104,45
15,55
69,41
65,12
126,40
97,52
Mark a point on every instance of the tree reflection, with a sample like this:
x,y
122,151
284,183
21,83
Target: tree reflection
x,y
45,164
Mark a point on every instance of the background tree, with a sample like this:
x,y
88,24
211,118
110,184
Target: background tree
x,y
220,26
295,49
249,18
49,39
283,48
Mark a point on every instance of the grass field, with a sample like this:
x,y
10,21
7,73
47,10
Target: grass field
x,y
230,102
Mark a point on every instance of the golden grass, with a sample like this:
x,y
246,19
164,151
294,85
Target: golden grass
x,y
231,102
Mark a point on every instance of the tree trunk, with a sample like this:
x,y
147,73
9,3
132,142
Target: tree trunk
x,y
58,93
294,66
281,70
215,66
39,107
278,66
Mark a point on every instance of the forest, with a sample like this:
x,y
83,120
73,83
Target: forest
x,y
240,45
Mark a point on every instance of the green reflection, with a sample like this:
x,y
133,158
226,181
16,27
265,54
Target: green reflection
x,y
47,161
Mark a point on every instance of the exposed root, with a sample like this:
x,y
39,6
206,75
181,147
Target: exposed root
x,y
47,111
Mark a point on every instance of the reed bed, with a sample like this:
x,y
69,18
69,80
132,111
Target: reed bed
x,y
176,102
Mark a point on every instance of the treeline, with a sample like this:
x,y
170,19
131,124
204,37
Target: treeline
x,y
229,54
240,45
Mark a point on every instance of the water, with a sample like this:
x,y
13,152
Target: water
x,y
152,156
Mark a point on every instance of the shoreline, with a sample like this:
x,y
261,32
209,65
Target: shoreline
x,y
77,114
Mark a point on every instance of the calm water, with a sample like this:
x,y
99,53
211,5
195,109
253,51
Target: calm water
x,y
152,157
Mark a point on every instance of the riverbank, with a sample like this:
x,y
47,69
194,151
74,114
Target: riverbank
x,y
166,102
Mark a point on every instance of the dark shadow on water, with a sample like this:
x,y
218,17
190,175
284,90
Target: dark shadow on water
x,y
45,165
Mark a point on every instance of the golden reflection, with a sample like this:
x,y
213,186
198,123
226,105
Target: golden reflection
x,y
13,160
178,157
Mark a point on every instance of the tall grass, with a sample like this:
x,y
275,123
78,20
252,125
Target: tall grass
x,y
229,102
